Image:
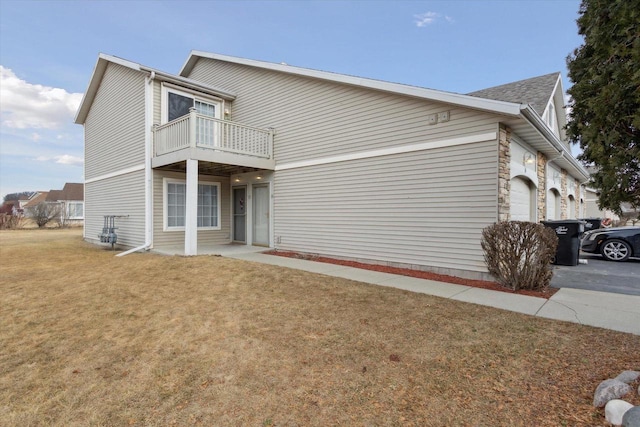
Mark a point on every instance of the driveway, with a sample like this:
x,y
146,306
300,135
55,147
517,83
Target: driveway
x,y
599,275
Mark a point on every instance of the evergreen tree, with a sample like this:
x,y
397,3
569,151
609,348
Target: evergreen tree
x,y
605,107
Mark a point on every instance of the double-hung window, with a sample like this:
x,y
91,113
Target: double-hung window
x,y
176,201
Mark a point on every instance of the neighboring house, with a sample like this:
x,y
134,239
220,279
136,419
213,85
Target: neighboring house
x,y
69,200
593,211
257,153
39,197
22,201
72,199
16,207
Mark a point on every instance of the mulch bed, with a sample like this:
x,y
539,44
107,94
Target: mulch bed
x,y
484,284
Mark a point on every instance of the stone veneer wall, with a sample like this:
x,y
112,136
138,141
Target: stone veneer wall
x,y
542,186
504,174
564,208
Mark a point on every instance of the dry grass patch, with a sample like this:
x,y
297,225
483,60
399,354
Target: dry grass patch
x,y
90,339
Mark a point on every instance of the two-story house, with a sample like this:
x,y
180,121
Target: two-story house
x,y
232,150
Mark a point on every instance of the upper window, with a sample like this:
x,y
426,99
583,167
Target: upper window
x,y
550,117
178,106
178,103
176,202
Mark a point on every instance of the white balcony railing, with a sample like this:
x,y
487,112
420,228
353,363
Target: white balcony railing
x,y
197,130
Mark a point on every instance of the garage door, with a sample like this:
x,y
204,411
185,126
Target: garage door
x,y
520,200
553,205
572,208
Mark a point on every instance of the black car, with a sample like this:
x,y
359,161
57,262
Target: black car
x,y
615,244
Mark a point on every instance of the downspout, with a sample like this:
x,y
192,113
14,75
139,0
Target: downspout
x,y
148,172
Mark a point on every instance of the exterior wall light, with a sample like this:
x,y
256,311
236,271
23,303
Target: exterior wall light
x,y
528,159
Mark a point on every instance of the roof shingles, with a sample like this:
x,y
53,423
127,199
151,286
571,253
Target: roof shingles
x,y
535,91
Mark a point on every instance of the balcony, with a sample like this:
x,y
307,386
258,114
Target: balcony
x,y
200,137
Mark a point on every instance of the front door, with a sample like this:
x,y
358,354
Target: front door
x,y
239,214
261,215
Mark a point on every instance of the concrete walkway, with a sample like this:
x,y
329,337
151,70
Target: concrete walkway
x,y
601,309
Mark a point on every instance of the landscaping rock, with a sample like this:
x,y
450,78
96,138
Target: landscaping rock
x,y
615,410
631,418
608,390
628,377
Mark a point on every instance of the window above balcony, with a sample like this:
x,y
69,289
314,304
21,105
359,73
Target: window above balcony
x,y
176,103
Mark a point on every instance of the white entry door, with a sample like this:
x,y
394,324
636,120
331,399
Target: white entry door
x,y
261,215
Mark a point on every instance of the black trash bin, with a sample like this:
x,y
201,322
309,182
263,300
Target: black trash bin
x,y
568,232
591,223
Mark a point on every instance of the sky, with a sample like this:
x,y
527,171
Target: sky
x,y
48,50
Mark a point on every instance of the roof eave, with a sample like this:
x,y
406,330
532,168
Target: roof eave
x,y
530,115
180,80
101,66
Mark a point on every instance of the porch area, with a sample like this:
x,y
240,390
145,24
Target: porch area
x,y
226,250
196,158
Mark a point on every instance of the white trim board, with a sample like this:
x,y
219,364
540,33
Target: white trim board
x,y
490,136
116,173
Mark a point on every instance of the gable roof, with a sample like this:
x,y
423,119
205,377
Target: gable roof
x,y
101,66
70,191
54,196
38,198
73,191
491,105
536,91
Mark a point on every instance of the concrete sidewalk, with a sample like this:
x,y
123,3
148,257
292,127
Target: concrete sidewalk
x,y
601,309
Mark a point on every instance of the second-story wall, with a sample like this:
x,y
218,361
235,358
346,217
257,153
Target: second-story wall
x,y
315,118
114,128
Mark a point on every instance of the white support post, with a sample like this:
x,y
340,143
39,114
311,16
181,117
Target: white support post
x,y
193,121
191,210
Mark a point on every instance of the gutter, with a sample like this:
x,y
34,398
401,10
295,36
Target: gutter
x,y
532,117
181,81
148,172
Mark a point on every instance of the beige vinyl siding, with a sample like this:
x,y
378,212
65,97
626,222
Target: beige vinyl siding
x,y
315,118
424,208
176,238
120,195
114,128
157,102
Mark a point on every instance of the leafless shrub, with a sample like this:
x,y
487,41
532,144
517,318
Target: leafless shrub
x,y
519,254
10,222
43,213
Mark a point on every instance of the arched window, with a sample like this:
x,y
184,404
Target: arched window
x,y
550,117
